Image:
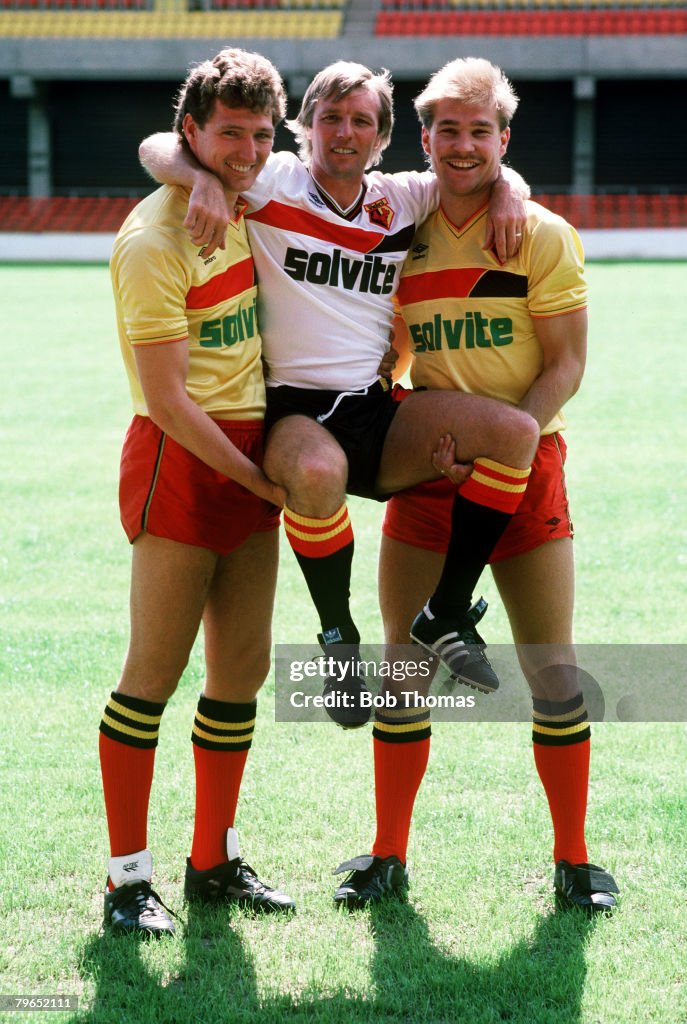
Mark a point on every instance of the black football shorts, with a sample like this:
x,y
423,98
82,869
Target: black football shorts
x,y
358,420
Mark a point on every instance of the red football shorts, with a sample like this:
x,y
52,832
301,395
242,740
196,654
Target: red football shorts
x,y
167,491
421,516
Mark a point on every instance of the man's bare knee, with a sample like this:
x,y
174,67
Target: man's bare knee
x,y
238,678
555,683
527,434
516,439
151,684
306,460
316,483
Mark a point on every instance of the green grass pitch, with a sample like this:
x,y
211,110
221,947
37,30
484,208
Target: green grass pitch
x,y
477,940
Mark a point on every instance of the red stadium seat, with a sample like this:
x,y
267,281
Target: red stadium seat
x,y
623,212
676,211
433,17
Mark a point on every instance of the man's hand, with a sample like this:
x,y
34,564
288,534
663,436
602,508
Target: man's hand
x,y
271,492
507,216
208,215
389,360
444,461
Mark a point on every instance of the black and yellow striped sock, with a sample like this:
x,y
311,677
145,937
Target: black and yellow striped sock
x,y
559,723
402,725
132,721
223,725
324,551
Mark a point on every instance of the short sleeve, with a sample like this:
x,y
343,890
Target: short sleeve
x,y
151,283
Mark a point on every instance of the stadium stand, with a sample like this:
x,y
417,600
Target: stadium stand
x,y
176,5
589,71
298,19
104,214
168,19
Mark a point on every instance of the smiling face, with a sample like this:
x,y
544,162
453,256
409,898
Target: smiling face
x,y
343,137
465,143
234,144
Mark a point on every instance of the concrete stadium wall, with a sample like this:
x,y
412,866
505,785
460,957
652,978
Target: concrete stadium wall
x,y
298,59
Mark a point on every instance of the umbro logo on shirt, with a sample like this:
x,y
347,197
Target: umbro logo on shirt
x,y
210,259
315,199
419,251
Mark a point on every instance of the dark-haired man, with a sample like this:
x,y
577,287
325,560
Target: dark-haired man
x,y
195,504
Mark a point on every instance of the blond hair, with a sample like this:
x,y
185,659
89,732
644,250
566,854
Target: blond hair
x,y
470,80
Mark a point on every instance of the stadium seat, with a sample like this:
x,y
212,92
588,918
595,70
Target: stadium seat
x,y
676,211
295,5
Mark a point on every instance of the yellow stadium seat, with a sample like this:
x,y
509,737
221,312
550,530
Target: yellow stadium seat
x,y
169,24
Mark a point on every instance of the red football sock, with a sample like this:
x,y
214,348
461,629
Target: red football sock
x,y
561,753
127,774
399,770
128,739
222,735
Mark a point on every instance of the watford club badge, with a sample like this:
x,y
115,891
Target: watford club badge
x,y
380,213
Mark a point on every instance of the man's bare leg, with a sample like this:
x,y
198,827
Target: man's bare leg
x,y
169,584
237,629
309,463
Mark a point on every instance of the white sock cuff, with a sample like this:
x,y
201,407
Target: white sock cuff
x,y
133,867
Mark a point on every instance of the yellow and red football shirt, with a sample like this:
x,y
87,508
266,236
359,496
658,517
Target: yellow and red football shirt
x,y
471,320
166,291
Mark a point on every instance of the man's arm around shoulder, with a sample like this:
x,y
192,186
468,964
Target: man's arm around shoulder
x,y
166,159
